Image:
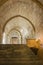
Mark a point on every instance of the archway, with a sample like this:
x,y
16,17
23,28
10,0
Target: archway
x,y
15,35
21,24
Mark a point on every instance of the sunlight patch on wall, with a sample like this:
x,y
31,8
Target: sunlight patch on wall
x,y
4,38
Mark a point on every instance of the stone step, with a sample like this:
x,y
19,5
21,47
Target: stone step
x,y
19,62
17,54
20,50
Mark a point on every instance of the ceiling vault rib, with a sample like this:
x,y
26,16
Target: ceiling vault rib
x,y
36,1
21,17
39,3
2,2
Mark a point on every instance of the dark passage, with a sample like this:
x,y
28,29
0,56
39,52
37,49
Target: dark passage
x,y
34,50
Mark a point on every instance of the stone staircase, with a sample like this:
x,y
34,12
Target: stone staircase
x,y
14,54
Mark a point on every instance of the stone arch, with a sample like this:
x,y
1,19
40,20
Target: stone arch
x,y
21,17
17,31
15,27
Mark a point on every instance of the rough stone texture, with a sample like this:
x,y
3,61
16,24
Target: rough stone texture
x,y
41,1
26,8
18,54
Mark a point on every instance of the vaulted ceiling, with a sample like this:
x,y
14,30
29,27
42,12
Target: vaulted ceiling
x,y
3,1
41,1
33,11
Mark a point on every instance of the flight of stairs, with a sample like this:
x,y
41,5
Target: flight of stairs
x,y
16,54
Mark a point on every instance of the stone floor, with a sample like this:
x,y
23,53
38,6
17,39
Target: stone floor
x,y
16,54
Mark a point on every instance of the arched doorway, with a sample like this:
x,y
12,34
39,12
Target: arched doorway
x,y
21,24
14,37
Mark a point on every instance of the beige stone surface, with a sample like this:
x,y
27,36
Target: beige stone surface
x,y
27,8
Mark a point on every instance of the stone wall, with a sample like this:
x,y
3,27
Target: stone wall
x,y
27,8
